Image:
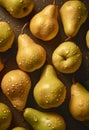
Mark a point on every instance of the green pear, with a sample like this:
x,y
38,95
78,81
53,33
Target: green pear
x,y
19,128
44,25
30,55
79,102
87,39
16,85
67,57
44,120
49,92
5,116
18,8
7,36
73,14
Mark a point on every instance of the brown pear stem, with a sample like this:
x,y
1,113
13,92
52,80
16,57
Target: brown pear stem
x,y
54,2
68,38
24,26
73,79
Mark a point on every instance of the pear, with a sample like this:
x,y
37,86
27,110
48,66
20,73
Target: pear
x,y
19,128
79,102
67,57
44,25
16,85
49,92
44,120
73,14
30,55
7,36
5,116
87,39
18,8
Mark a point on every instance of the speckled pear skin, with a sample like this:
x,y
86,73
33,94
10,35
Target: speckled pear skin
x,y
16,85
49,92
5,116
73,14
44,120
30,55
18,8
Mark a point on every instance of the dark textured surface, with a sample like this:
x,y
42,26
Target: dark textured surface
x,y
10,63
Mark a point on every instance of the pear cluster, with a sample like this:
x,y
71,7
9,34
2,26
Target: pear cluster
x,y
49,92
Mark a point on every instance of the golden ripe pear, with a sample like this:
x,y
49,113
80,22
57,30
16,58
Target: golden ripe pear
x,y
44,25
73,14
30,55
87,39
16,85
79,102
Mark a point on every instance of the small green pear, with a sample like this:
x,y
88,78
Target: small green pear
x,y
44,120
5,116
73,14
49,92
87,39
67,57
16,85
30,55
44,25
7,36
79,102
19,128
18,8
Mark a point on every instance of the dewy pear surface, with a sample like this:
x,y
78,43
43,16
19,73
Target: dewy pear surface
x,y
44,120
18,8
16,85
44,25
79,102
5,116
49,92
67,57
30,55
73,14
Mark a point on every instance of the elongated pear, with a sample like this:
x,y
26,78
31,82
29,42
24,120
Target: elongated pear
x,y
49,92
30,55
73,14
18,8
7,36
79,102
44,120
44,25
5,116
16,85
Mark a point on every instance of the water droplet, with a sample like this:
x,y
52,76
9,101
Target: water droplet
x,y
49,124
47,101
35,118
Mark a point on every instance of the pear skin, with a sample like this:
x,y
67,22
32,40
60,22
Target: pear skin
x,y
7,36
49,92
87,39
67,57
79,102
16,85
44,120
18,8
30,55
19,128
73,14
44,25
5,116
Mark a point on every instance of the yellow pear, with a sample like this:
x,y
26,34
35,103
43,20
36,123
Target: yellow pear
x,y
79,102
30,55
16,85
44,25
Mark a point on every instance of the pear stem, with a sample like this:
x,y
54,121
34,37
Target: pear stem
x,y
54,2
67,39
24,26
73,79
